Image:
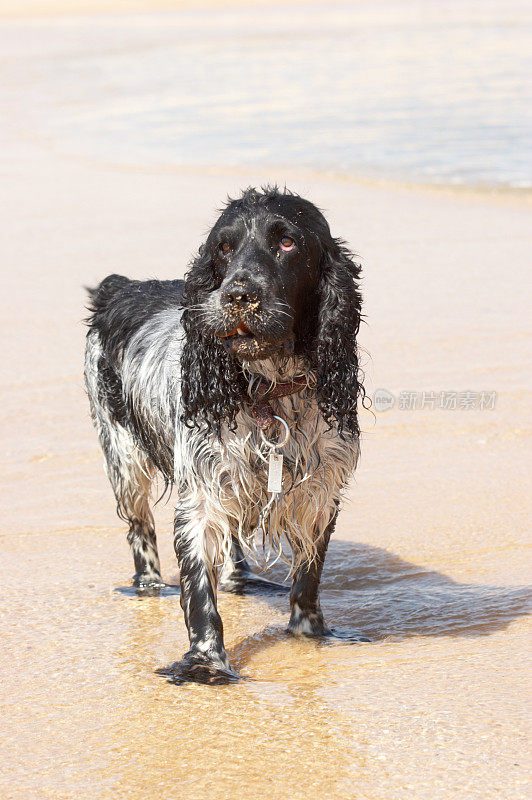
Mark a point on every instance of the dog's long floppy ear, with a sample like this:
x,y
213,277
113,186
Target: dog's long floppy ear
x,y
335,354
210,379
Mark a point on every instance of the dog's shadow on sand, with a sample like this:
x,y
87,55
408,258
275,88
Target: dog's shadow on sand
x,y
372,592
385,596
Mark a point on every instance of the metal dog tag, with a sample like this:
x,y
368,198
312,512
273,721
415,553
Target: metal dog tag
x,y
275,472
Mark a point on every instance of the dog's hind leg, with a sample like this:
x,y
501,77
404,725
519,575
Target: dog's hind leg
x,y
130,474
133,499
237,576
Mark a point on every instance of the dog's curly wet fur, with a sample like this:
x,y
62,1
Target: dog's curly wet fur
x,y
172,369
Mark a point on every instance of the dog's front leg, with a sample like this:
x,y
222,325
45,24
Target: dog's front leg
x,y
306,618
306,615
206,661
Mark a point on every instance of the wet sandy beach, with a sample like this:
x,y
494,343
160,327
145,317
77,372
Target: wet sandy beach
x,y
429,555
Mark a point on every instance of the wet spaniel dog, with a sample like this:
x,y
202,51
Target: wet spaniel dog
x,y
209,381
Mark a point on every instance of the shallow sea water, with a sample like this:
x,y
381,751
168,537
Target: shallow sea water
x,y
309,720
435,92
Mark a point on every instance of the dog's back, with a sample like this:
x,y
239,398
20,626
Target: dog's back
x,y
120,306
132,325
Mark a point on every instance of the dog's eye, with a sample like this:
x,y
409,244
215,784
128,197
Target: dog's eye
x,y
286,243
225,247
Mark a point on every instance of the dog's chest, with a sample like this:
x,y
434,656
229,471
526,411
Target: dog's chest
x,y
316,463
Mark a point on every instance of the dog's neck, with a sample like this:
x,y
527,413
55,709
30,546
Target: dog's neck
x,y
275,370
271,379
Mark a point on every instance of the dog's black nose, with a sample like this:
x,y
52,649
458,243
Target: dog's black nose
x,y
240,295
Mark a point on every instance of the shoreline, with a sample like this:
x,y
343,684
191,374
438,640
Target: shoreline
x,y
506,195
44,8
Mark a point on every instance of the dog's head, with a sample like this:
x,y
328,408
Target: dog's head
x,y
270,281
264,253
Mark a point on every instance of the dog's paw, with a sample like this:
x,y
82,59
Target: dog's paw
x,y
148,581
313,626
196,669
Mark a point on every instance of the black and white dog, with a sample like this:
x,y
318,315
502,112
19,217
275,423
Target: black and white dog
x,y
196,379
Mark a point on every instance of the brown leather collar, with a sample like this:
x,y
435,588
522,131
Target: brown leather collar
x,y
264,392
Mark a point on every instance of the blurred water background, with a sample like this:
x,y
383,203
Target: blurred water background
x,y
409,90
